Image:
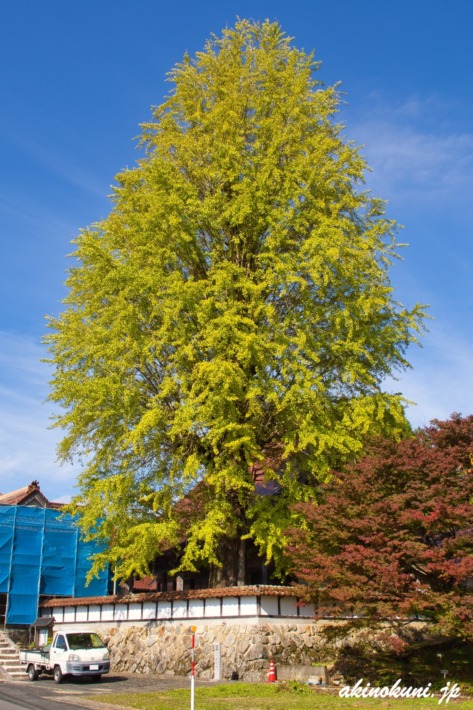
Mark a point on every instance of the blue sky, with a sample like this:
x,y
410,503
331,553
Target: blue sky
x,y
78,78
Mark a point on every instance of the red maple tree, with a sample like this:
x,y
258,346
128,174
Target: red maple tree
x,y
392,535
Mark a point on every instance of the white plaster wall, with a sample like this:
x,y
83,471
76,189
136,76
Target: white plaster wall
x,y
134,612
196,608
58,614
288,606
120,613
212,607
164,610
69,613
149,610
107,612
94,612
81,613
269,605
307,610
179,609
248,606
230,606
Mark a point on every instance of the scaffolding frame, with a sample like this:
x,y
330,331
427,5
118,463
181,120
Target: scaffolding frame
x,y
42,553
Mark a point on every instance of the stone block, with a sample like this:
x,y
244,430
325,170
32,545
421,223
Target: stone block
x,y
255,651
243,646
301,672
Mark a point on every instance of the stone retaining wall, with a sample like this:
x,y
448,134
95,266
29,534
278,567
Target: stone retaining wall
x,y
164,648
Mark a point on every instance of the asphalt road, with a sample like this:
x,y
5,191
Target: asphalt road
x,y
44,694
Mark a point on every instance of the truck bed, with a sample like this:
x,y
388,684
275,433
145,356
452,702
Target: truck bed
x,y
36,655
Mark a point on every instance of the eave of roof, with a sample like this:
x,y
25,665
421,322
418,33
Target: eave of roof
x,y
147,584
258,590
13,496
22,495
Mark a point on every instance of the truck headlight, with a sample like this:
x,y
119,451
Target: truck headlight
x,y
106,656
73,657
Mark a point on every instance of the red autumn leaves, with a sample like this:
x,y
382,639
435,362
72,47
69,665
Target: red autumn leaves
x,y
392,534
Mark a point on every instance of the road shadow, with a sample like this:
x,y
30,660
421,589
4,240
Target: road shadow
x,y
83,680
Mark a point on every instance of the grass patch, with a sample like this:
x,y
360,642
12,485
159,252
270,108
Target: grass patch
x,y
281,696
417,668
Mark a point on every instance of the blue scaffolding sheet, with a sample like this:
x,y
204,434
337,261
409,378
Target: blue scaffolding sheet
x,y
42,553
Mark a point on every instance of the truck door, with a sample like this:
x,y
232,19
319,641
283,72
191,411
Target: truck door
x,y
58,647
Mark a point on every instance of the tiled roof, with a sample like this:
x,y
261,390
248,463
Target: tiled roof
x,y
147,584
248,591
13,497
22,495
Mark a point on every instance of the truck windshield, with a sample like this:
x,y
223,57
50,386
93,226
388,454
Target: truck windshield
x,y
77,641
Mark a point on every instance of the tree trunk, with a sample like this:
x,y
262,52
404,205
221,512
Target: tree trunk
x,y
233,570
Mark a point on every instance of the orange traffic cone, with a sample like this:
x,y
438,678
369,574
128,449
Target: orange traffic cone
x,y
272,678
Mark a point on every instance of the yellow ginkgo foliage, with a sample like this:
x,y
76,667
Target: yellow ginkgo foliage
x,y
233,309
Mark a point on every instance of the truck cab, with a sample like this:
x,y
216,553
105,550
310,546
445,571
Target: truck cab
x,y
71,653
79,653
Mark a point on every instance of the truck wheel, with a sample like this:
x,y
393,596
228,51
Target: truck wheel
x,y
57,674
33,674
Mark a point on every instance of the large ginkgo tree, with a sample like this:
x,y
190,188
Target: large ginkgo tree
x,y
232,313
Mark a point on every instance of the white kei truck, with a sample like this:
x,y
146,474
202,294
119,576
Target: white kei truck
x,y
70,653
